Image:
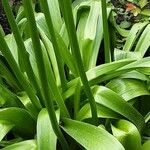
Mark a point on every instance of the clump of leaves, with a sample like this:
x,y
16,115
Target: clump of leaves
x,y
54,93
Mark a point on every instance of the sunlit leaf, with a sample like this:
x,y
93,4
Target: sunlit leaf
x,y
127,134
98,139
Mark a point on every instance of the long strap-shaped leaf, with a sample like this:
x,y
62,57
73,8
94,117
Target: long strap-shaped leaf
x,y
22,53
25,145
47,87
127,134
143,43
91,137
68,17
113,101
95,74
106,32
21,78
23,123
50,25
128,88
46,138
133,35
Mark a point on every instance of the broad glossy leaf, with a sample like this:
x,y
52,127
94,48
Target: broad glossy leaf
x,y
109,71
24,124
113,101
99,71
102,112
25,145
95,74
127,134
128,88
5,127
90,137
46,138
144,63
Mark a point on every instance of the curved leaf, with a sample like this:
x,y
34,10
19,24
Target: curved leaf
x,y
102,112
133,35
46,138
95,74
5,127
128,88
25,145
91,137
113,101
127,134
143,43
22,120
135,75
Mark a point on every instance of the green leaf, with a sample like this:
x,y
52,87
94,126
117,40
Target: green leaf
x,y
102,112
127,134
46,138
143,43
23,97
145,12
142,3
50,53
1,31
95,74
121,31
128,88
113,101
25,145
91,137
55,14
90,32
146,145
5,127
22,120
8,99
135,75
133,35
98,71
10,40
120,54
6,73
